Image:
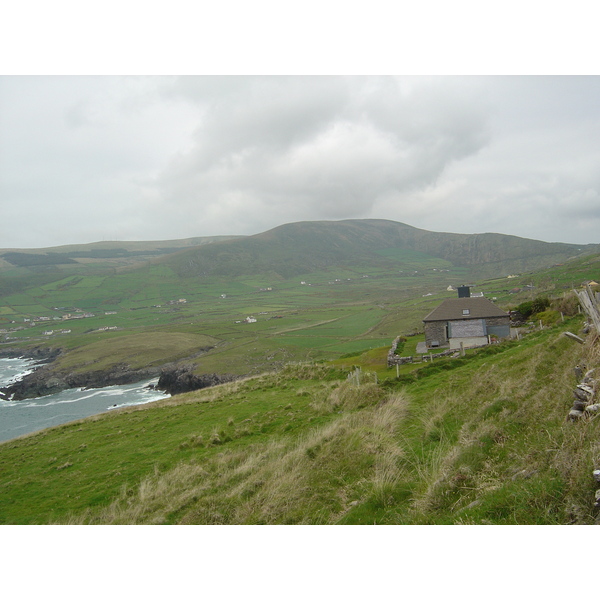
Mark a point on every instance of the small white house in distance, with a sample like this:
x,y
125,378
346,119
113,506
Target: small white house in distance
x,y
250,320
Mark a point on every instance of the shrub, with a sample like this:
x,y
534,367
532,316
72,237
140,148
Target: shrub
x,y
525,309
400,346
540,304
531,307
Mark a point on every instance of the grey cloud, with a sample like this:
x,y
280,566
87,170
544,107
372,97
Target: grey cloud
x,y
167,157
77,152
332,145
244,115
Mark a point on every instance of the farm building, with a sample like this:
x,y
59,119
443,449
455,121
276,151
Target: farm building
x,y
465,319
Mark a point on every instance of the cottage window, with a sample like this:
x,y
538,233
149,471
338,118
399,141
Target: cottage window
x,y
466,311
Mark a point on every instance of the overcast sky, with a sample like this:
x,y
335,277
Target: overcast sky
x,y
91,158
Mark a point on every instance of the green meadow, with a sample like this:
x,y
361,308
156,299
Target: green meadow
x,y
320,315
330,314
478,440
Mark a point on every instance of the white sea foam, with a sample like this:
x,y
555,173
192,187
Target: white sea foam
x,y
34,414
14,369
6,403
135,403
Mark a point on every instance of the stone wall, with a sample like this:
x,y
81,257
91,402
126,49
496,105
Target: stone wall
x,y
472,342
435,331
393,359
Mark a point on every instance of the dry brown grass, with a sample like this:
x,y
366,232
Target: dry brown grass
x,y
514,432
278,482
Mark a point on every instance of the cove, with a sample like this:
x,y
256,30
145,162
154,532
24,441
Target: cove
x,y
34,414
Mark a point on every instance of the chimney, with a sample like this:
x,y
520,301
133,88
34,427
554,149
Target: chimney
x,y
464,291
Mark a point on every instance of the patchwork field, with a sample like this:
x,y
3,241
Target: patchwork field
x,y
312,291
318,319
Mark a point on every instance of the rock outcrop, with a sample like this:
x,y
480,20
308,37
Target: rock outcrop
x,y
177,380
39,354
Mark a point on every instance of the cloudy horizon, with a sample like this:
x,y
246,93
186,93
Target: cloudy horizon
x,y
92,158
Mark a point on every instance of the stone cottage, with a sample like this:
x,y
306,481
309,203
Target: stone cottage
x,y
466,319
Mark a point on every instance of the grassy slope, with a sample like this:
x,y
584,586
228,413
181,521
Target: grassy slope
x,y
479,440
137,351
295,249
380,265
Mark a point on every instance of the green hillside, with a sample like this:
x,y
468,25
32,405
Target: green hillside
x,y
302,248
317,290
122,247
114,253
477,440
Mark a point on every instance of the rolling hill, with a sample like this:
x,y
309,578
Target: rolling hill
x,y
315,289
305,247
108,251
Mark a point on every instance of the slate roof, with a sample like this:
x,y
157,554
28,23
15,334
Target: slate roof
x,y
452,310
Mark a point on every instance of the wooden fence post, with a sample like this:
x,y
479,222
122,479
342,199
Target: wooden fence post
x,y
587,300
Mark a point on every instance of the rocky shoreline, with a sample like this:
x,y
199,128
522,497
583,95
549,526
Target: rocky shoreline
x,y
45,380
39,354
178,380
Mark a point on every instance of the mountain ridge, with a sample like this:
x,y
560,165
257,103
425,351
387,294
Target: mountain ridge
x,y
132,244
304,247
297,248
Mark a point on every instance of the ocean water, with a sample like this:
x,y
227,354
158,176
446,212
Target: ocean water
x,y
34,414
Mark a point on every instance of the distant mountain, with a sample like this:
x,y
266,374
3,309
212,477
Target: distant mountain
x,y
306,247
301,248
73,253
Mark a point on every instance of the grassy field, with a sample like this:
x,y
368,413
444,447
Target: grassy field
x,y
330,314
481,439
371,295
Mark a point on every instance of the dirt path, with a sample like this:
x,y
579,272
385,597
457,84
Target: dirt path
x,y
307,326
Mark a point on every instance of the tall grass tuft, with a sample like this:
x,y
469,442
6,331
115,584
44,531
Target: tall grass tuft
x,y
309,480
